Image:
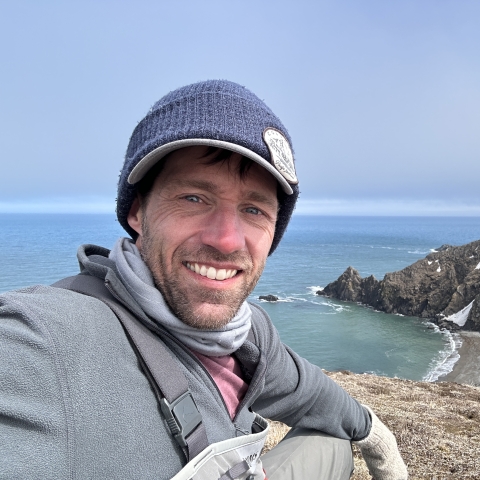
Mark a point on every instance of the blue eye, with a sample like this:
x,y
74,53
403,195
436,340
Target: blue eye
x,y
253,211
192,198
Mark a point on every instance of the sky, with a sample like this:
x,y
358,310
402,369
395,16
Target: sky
x,y
381,99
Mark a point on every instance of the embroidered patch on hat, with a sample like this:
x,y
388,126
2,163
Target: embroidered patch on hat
x,y
281,153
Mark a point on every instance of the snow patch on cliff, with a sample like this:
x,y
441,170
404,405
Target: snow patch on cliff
x,y
460,317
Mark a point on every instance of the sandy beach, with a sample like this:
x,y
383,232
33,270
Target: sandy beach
x,y
467,369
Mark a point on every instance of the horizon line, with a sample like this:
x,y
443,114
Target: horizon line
x,y
316,207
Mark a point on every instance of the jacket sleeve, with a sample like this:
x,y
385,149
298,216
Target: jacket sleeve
x,y
299,394
34,409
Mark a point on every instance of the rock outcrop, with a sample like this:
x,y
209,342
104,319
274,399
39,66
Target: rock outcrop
x,y
268,298
444,286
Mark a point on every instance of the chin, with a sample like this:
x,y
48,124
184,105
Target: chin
x,y
210,316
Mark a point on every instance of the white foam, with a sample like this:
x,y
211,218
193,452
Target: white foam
x,y
433,250
336,306
314,289
443,362
460,318
392,351
319,300
298,298
432,326
419,252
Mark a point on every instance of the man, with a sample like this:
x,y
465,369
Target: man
x,y
206,192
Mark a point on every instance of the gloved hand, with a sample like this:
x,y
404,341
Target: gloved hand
x,y
380,452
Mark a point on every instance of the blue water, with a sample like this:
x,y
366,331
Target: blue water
x,y
315,251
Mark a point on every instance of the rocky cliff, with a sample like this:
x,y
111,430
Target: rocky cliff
x,y
444,286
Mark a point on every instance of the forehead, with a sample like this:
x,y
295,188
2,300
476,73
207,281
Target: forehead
x,y
192,164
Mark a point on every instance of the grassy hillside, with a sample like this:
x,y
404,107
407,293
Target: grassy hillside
x,y
437,425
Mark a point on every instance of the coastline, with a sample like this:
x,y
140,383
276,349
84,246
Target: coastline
x,y
466,370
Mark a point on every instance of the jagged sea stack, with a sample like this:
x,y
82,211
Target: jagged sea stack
x,y
444,286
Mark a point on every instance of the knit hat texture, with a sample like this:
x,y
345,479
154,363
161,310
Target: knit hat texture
x,y
210,112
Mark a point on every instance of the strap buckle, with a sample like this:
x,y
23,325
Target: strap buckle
x,y
182,417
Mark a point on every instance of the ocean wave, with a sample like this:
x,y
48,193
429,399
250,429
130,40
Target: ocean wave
x,y
336,306
392,351
313,290
420,252
445,360
297,297
300,297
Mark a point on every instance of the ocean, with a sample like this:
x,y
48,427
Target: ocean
x,y
41,248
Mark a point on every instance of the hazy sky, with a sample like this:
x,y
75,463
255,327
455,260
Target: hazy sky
x,y
382,99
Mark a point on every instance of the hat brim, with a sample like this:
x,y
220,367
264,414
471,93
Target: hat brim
x,y
149,160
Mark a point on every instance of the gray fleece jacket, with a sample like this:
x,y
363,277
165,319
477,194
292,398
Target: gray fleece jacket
x,y
75,404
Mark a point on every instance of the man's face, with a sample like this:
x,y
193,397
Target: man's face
x,y
205,234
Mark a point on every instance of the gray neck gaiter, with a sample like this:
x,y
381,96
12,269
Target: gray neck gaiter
x,y
138,280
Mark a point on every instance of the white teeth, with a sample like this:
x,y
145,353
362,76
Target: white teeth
x,y
211,272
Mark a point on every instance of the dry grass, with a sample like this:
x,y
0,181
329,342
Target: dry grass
x,y
437,425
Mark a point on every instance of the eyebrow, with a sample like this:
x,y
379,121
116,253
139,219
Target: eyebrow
x,y
254,196
201,184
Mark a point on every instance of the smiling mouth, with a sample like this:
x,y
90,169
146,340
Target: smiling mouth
x,y
211,272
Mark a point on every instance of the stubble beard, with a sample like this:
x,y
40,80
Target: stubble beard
x,y
198,307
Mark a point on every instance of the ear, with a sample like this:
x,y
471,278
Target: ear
x,y
134,218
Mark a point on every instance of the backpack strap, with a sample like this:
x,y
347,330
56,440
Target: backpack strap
x,y
167,380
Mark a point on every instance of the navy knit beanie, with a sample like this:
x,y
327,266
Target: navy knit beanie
x,y
215,113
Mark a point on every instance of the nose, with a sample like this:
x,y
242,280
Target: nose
x,y
224,231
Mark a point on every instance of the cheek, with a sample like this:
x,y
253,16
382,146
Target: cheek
x,y
177,245
260,242
167,229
